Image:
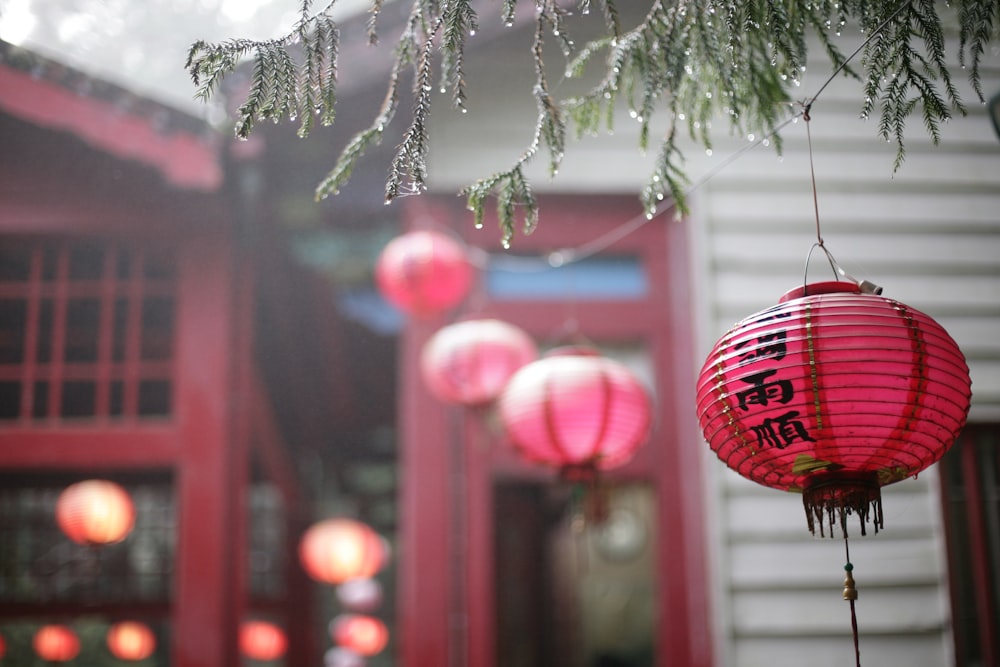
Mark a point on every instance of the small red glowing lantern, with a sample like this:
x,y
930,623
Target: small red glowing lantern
x,y
56,643
335,550
576,410
365,635
260,640
424,272
131,640
470,362
3,646
833,393
95,511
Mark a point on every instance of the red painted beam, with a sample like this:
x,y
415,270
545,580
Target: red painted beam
x,y
89,448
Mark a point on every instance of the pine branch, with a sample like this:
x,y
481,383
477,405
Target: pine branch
x,y
979,23
280,86
686,63
510,186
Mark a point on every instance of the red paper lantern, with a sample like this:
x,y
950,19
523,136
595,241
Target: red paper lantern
x,y
56,643
576,410
833,393
95,512
470,362
260,640
365,635
335,550
131,640
423,272
3,646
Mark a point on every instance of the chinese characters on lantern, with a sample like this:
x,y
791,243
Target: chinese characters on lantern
x,y
765,389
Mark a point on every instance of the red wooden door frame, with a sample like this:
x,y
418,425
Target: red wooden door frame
x,y
447,603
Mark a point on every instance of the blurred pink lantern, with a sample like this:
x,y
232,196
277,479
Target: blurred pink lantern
x,y
470,362
335,550
577,411
424,273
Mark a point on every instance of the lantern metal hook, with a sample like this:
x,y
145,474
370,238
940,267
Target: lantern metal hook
x,y
866,286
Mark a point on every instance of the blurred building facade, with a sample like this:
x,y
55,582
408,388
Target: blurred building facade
x,y
254,396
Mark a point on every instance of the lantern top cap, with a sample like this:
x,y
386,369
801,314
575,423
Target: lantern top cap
x,y
827,287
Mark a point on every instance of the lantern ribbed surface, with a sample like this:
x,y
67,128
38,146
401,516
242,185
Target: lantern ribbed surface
x,y
423,272
470,362
833,393
576,409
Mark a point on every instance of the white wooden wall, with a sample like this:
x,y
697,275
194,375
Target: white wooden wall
x,y
930,235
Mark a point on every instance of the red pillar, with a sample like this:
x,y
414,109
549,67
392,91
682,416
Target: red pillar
x,y
207,586
426,505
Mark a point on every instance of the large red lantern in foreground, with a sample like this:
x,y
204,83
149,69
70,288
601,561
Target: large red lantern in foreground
x,y
363,634
576,410
833,393
423,273
470,362
56,643
131,640
95,511
335,550
260,640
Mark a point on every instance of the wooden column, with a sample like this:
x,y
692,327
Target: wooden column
x,y
208,589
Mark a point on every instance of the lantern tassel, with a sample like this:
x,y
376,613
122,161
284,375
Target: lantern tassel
x,y
832,497
595,493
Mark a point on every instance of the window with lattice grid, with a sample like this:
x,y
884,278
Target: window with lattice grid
x,y
86,330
